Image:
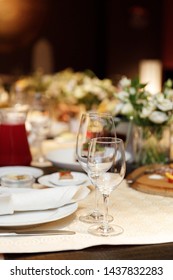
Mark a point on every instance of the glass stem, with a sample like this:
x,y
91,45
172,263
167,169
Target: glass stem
x,y
39,156
105,218
96,206
96,209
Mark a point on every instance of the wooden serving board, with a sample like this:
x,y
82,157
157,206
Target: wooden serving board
x,y
145,184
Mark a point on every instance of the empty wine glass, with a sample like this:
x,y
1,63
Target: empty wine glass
x,y
19,98
39,119
107,167
92,125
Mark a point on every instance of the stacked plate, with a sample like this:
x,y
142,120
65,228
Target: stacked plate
x,y
35,217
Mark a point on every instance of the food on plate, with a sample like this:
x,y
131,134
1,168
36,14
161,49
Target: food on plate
x,y
166,171
17,180
169,176
17,177
65,175
162,170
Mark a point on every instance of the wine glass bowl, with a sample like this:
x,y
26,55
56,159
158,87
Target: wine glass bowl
x,y
107,156
39,119
92,125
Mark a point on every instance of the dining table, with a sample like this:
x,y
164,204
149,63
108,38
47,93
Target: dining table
x,y
147,221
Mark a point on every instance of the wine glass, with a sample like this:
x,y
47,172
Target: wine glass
x,y
92,125
39,119
106,159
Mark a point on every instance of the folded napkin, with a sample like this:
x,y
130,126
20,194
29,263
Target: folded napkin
x,y
20,199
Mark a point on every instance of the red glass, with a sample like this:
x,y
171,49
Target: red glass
x,y
14,147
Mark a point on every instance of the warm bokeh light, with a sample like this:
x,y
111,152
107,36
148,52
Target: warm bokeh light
x,y
150,72
19,21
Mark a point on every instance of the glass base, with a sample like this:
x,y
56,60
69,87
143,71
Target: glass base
x,y
100,230
94,217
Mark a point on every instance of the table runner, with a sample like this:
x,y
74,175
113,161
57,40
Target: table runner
x,y
145,218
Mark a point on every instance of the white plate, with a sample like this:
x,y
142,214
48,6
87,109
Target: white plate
x,y
45,180
78,178
65,158
37,217
57,128
35,172
66,137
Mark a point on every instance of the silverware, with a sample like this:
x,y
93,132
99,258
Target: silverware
x,y
5,233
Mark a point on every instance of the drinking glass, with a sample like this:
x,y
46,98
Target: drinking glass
x,y
92,125
39,119
107,167
19,99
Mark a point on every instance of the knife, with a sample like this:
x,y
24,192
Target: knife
x,y
4,233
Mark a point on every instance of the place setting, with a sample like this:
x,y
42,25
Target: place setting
x,y
26,202
41,207
55,196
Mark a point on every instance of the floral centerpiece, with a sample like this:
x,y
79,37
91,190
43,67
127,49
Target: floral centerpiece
x,y
80,88
70,87
70,90
151,114
135,102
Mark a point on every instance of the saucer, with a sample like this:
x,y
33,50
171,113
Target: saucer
x,y
46,180
78,178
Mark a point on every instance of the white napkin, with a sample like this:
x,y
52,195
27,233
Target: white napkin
x,y
15,199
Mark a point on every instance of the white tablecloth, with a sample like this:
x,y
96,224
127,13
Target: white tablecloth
x,y
146,219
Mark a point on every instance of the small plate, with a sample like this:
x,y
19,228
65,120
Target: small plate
x,y
78,178
35,172
45,181
66,158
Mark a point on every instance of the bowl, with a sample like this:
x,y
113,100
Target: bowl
x,y
17,180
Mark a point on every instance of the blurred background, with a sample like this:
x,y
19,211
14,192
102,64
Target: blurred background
x,y
110,37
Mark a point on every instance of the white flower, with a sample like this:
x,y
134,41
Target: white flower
x,y
132,90
53,90
159,97
123,95
118,108
124,82
79,92
158,117
165,105
146,111
127,109
141,105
